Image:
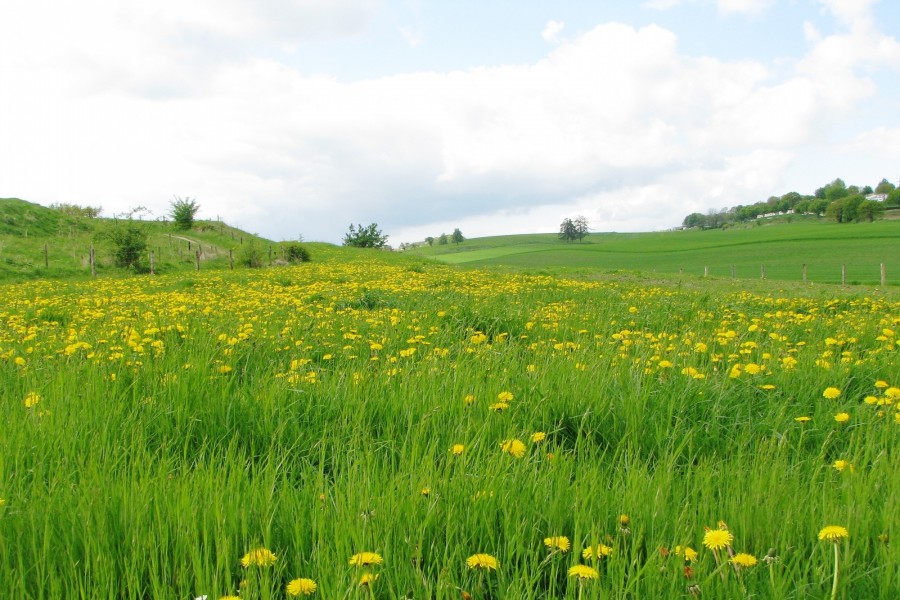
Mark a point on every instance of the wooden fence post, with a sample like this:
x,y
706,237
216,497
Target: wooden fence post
x,y
706,271
732,271
762,271
46,258
883,276
843,275
804,272
197,255
231,258
93,261
152,263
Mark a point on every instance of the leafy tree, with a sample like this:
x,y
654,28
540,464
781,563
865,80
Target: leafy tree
x,y
457,236
835,190
129,241
835,211
818,206
581,227
74,210
294,252
851,207
699,220
884,187
365,237
893,198
567,230
869,210
429,240
867,189
183,212
443,240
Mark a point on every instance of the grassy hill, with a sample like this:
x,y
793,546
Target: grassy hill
x,y
780,248
26,229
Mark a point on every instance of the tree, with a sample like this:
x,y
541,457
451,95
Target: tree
x,y
129,241
884,187
893,198
835,211
581,227
294,252
457,236
365,237
183,212
74,210
443,240
869,210
567,230
429,240
699,220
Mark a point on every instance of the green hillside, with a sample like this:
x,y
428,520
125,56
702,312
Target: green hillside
x,y
780,249
36,241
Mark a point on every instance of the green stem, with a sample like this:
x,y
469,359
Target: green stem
x,y
834,585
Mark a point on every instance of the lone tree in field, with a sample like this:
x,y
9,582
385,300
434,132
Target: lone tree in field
x,y
581,227
183,212
457,236
567,230
365,237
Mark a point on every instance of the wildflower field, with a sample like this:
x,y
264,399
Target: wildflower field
x,y
373,426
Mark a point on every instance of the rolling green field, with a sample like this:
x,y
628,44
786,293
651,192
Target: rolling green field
x,y
780,249
376,425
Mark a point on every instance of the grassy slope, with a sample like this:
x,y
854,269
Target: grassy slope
x,y
25,228
782,248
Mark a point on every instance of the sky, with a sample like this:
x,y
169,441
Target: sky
x,y
295,118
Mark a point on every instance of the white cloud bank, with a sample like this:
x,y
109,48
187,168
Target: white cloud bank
x,y
615,124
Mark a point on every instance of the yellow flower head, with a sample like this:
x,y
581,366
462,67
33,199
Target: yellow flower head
x,y
840,465
31,399
624,520
803,419
831,393
258,557
557,542
881,384
716,539
367,578
513,447
505,397
742,559
469,399
457,449
301,587
893,393
584,572
499,406
690,554
842,417
598,551
482,561
364,559
538,436
833,533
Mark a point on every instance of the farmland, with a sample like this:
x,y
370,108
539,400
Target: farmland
x,y
375,425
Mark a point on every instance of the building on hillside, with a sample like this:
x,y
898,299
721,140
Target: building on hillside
x,y
877,197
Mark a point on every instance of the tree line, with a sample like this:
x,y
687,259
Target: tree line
x,y
836,200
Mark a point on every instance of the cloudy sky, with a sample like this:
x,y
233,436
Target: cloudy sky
x,y
298,117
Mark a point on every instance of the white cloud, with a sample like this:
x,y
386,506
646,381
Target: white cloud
x,y
552,30
752,7
851,12
881,142
661,4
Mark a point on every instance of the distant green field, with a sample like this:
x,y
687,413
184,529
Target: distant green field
x,y
780,250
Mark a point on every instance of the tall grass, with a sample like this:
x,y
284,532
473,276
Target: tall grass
x,y
181,423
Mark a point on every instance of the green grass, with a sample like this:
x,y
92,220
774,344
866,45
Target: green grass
x,y
188,418
779,249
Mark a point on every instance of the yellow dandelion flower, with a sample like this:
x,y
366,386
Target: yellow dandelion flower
x,y
499,406
716,539
833,533
513,447
557,542
482,561
870,400
368,578
470,399
893,393
624,520
364,559
842,417
742,559
840,465
538,437
803,419
831,393
690,554
881,384
258,557
505,397
598,551
32,399
457,449
426,491
301,587
584,572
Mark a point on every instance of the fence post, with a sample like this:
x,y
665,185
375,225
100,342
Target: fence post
x,y
732,271
46,258
152,263
843,275
231,258
883,276
93,261
804,272
762,271
706,271
197,255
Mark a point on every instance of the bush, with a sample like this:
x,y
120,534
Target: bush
x,y
129,241
183,212
250,254
296,253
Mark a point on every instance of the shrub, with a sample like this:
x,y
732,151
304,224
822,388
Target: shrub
x,y
250,254
296,253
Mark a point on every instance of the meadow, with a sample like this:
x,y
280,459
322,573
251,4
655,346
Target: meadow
x,y
778,247
373,425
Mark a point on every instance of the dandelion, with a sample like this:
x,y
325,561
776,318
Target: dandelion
x,y
598,551
538,437
834,534
557,542
301,587
368,578
482,561
32,399
881,384
513,447
499,406
690,554
803,419
893,393
831,393
842,417
584,572
841,464
364,559
742,559
426,491
717,539
457,449
468,400
258,557
505,397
